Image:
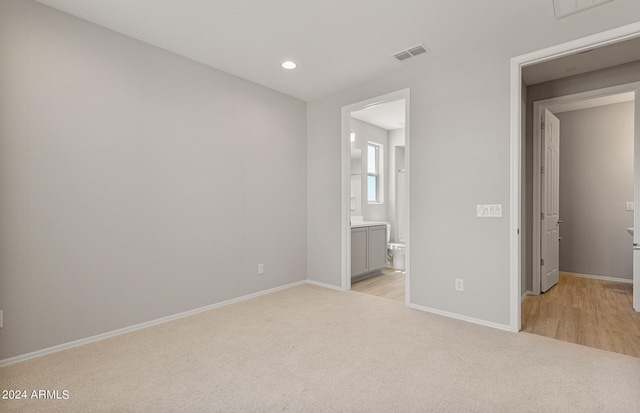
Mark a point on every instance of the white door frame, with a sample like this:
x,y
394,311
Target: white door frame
x,y
552,104
345,240
517,63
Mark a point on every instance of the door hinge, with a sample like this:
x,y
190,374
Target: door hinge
x,y
542,215
542,262
542,169
542,125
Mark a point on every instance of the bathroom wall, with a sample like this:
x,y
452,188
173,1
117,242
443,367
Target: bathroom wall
x,y
596,181
135,184
366,132
396,142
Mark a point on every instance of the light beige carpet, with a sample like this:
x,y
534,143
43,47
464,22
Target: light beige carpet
x,y
310,349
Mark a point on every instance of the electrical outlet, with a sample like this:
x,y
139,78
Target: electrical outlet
x,y
459,284
260,269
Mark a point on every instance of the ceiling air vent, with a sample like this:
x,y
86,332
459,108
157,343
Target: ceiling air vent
x,y
402,55
409,53
417,50
564,8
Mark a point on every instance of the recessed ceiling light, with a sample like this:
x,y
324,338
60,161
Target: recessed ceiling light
x,y
289,65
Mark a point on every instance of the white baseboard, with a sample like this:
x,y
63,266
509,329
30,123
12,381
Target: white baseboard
x,y
598,277
146,324
433,311
525,294
462,317
319,284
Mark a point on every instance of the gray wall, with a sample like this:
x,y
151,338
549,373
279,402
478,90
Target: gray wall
x,y
596,181
617,75
459,157
459,126
366,132
135,184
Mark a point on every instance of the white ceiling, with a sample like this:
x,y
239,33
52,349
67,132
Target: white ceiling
x,y
336,43
388,115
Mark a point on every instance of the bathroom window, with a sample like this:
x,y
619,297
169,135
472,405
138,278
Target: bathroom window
x,y
374,173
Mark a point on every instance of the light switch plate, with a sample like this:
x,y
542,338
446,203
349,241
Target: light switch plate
x,y
459,284
489,211
630,206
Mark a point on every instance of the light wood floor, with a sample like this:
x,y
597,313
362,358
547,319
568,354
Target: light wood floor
x,y
586,311
390,284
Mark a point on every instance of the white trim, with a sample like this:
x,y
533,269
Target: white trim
x,y
636,196
514,201
600,39
598,277
461,317
345,174
525,294
324,285
345,237
109,334
554,103
593,41
539,107
407,165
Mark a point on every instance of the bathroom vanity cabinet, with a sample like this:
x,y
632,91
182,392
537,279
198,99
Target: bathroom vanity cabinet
x,y
368,249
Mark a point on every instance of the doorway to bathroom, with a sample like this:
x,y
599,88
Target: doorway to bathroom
x,y
375,201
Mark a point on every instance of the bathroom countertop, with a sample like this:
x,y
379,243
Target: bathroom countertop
x,y
360,224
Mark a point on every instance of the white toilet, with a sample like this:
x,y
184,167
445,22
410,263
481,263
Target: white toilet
x,y
395,250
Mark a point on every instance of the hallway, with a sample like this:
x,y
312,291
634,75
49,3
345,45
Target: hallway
x,y
591,312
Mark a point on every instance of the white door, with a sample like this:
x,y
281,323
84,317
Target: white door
x,y
550,205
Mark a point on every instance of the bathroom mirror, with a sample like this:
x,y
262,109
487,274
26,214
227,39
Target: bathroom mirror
x,y
356,182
